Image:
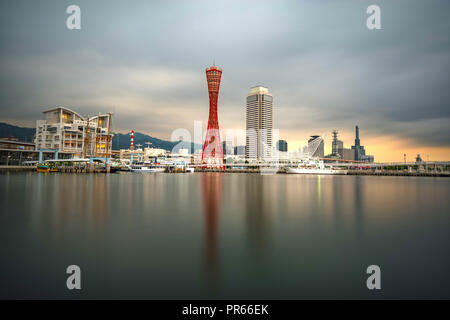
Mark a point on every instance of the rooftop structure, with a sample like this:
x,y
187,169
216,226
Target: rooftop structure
x,y
316,146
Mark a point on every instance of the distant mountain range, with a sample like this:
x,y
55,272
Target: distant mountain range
x,y
23,134
120,140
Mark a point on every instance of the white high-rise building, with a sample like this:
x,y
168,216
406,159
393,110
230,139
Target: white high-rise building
x,y
259,124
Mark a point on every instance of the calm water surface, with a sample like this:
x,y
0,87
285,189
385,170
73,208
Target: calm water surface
x,y
233,236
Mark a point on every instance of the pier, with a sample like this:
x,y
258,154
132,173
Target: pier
x,y
429,169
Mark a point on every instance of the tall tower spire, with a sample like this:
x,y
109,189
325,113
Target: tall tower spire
x,y
212,148
357,141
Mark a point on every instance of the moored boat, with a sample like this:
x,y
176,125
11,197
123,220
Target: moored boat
x,y
42,168
146,169
315,167
316,171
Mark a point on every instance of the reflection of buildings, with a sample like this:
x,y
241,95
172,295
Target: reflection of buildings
x,y
53,206
358,205
212,197
259,117
66,131
258,211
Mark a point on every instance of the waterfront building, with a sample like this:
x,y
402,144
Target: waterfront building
x,y
333,156
18,157
183,152
154,152
316,147
282,145
337,146
12,143
259,123
227,147
144,155
348,154
132,156
239,150
358,148
359,151
65,130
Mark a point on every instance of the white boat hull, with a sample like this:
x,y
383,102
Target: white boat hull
x,y
315,171
148,170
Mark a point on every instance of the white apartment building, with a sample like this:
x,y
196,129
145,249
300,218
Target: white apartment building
x,y
259,123
67,131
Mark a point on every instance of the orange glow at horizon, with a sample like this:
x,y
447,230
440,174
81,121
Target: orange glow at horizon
x,y
385,148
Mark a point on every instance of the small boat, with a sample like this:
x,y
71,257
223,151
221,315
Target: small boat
x,y
189,170
42,168
114,169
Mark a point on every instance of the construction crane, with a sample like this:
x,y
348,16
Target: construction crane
x,y
97,138
108,137
86,138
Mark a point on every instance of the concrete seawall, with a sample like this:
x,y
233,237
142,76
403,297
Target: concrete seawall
x,y
248,170
397,173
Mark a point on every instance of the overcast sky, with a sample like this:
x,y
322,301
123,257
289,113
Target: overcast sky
x,y
145,61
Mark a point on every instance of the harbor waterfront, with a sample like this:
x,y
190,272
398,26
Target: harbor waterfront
x,y
211,235
436,169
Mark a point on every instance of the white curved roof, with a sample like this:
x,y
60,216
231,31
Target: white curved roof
x,y
65,109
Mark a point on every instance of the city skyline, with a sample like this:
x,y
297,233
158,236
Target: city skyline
x,y
327,70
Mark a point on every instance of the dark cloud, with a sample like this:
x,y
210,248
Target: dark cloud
x,y
145,61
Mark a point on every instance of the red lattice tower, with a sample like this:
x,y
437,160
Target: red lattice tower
x,y
212,154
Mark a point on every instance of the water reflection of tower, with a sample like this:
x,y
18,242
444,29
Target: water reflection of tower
x,y
212,197
338,199
359,206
